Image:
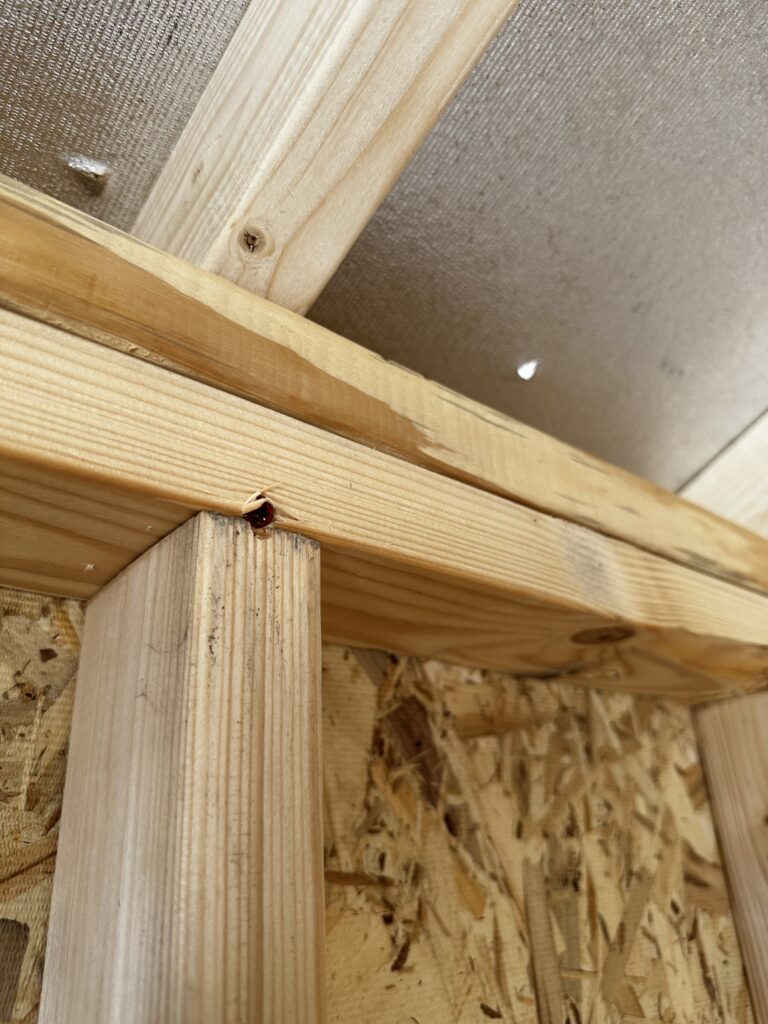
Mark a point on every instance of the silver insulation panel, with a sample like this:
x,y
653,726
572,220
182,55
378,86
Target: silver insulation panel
x,y
596,199
90,86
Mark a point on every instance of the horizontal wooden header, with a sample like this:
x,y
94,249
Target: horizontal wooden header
x,y
68,270
101,454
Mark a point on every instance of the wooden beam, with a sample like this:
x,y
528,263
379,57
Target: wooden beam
x,y
369,604
189,880
68,270
67,535
733,737
311,115
99,426
735,484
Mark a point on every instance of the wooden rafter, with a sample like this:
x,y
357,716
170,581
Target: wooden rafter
x,y
735,484
447,530
309,118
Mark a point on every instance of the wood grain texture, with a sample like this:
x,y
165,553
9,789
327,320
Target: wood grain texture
x,y
189,875
518,743
735,484
367,603
39,647
69,270
733,737
69,535
562,869
123,426
309,118
64,534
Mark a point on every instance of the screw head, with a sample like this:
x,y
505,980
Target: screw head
x,y
261,516
254,241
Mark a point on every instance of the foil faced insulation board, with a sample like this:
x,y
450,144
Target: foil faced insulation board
x,y
581,241
93,95
596,199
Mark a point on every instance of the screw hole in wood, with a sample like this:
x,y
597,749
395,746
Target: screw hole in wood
x,y
603,635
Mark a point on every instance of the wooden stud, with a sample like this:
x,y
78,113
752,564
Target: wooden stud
x,y
189,876
308,120
733,737
67,269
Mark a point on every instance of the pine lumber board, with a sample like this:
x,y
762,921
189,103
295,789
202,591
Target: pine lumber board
x,y
733,737
308,120
60,535
735,484
369,603
69,535
124,426
189,873
68,270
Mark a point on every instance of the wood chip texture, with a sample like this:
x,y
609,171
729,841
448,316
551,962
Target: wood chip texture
x,y
496,849
526,852
39,646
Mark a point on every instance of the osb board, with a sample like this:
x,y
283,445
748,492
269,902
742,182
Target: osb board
x,y
497,849
475,824
39,644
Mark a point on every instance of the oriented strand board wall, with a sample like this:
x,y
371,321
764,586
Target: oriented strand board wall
x,y
523,852
39,645
476,826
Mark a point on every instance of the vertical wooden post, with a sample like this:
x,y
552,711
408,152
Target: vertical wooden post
x,y
733,736
189,885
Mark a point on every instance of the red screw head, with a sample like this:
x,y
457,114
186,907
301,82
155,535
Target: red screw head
x,y
261,516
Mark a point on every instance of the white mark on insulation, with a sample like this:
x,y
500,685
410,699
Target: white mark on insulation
x,y
528,370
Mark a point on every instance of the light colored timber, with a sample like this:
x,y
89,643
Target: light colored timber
x,y
311,115
733,737
735,484
370,603
69,270
189,874
509,770
69,535
545,588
